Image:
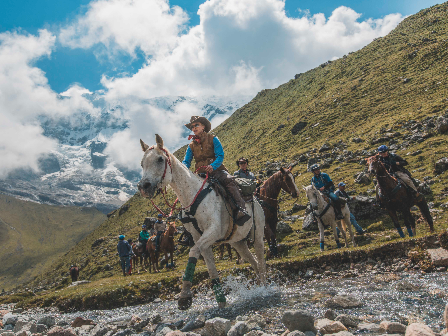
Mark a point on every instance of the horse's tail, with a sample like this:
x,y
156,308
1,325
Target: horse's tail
x,y
424,209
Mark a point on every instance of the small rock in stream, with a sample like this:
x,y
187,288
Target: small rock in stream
x,y
217,326
347,321
343,301
330,314
239,329
393,327
326,326
298,320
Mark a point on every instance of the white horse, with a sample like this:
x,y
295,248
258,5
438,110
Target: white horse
x,y
318,203
160,169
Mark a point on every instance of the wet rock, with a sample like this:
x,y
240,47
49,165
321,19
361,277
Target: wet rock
x,y
195,323
419,329
164,331
217,326
326,326
406,286
38,328
99,330
343,301
341,333
239,329
59,331
8,327
284,228
20,324
79,321
370,328
330,314
256,319
156,318
441,165
10,318
298,320
296,333
48,320
347,321
393,327
439,256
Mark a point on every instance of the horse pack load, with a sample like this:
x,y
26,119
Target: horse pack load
x,y
246,186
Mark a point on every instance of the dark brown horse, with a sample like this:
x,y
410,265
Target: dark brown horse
x,y
139,256
267,194
393,195
167,245
152,255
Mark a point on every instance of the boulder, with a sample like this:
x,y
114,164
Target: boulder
x,y
363,207
48,320
99,330
38,328
441,165
439,256
298,127
362,178
3,313
310,223
296,333
342,333
164,331
217,326
256,319
343,301
298,320
195,323
325,147
10,318
393,327
21,324
442,125
239,329
330,314
284,228
79,321
59,331
347,321
370,328
419,329
326,326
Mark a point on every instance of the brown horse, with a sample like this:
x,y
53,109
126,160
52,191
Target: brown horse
x,y
393,195
267,194
166,246
138,250
152,255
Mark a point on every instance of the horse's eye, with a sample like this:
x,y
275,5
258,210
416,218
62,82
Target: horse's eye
x,y
160,159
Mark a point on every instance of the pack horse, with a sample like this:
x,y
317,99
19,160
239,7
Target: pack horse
x,y
212,220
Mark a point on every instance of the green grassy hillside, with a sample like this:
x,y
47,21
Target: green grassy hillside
x,y
391,91
33,236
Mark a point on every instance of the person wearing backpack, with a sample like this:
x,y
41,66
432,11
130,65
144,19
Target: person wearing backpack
x,y
242,171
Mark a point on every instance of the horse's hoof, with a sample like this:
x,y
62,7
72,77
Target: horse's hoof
x,y
221,305
184,303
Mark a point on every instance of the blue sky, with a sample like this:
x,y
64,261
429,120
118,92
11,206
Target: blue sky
x,y
67,66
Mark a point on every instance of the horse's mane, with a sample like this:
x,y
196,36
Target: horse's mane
x,y
269,183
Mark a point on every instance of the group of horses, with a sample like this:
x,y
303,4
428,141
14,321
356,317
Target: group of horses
x,y
212,223
148,258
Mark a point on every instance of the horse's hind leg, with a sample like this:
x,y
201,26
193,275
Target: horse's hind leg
x,y
335,233
424,209
321,234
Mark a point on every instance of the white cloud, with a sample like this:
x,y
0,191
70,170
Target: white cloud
x,y
24,95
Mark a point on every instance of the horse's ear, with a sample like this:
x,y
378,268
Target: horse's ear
x,y
159,141
144,146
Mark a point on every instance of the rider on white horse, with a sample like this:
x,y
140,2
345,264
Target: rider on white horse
x,y
207,151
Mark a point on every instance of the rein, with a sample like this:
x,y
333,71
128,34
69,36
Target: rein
x,y
163,192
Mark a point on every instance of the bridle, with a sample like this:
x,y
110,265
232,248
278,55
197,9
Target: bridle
x,y
163,190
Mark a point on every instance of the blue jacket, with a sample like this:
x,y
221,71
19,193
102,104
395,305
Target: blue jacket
x,y
124,249
219,155
322,180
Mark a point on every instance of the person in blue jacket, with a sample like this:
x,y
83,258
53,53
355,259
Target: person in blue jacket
x,y
207,151
124,252
324,183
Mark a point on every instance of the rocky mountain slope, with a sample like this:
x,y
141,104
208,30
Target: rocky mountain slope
x,y
33,236
79,172
393,91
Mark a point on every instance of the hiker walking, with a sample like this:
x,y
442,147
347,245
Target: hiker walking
x,y
124,252
243,171
206,149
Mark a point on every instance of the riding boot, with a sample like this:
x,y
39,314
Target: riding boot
x,y
240,215
400,232
337,210
411,234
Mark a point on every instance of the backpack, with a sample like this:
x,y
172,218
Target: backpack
x,y
246,186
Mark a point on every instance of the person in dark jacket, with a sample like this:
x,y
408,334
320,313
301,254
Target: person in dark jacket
x,y
243,172
324,183
341,193
124,252
395,165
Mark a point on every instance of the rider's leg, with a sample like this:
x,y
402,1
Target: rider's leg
x,y
407,180
229,183
355,224
336,205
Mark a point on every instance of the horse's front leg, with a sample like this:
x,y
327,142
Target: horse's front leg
x,y
394,217
202,246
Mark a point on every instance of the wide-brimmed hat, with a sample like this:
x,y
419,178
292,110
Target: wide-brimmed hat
x,y
202,120
242,159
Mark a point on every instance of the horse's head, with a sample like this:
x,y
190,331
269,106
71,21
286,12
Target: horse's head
x,y
156,164
312,194
374,165
172,228
288,183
